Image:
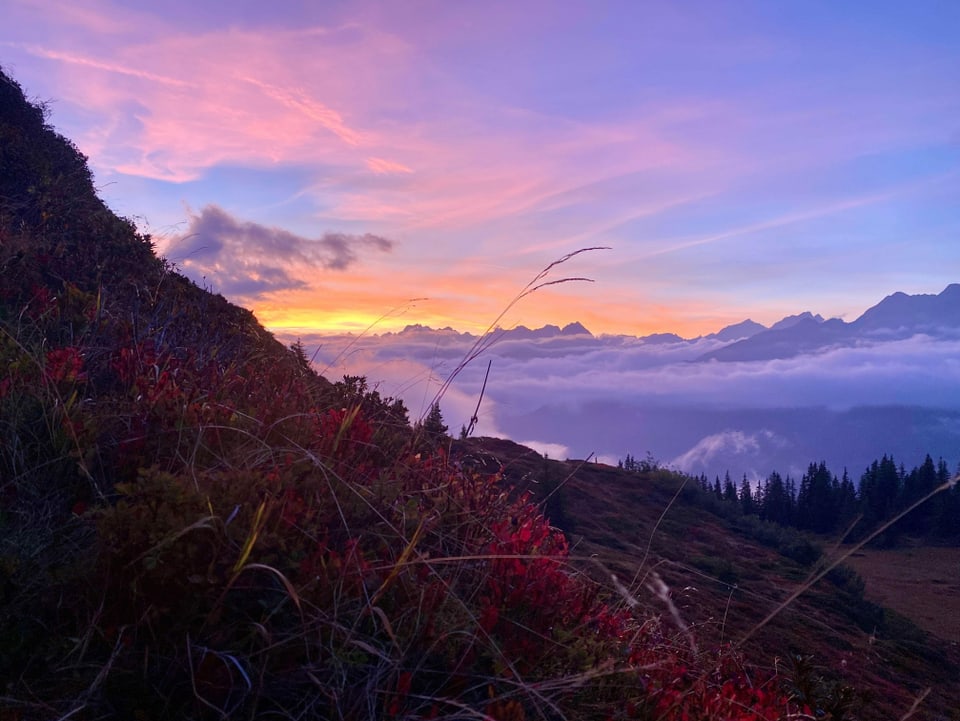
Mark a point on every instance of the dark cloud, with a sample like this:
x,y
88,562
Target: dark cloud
x,y
242,258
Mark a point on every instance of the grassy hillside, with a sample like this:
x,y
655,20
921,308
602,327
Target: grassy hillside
x,y
194,525
726,573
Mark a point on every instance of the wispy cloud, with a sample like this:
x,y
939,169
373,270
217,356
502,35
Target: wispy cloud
x,y
299,101
89,62
189,102
811,213
386,167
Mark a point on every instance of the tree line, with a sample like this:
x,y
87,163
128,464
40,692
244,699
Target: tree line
x,y
823,502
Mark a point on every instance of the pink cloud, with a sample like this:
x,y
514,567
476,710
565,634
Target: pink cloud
x,y
75,59
471,140
299,101
89,17
191,102
194,101
381,166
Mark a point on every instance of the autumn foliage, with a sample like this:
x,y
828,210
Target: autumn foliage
x,y
240,546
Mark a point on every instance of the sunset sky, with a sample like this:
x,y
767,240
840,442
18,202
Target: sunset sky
x,y
329,164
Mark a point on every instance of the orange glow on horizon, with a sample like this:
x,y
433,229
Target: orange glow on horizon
x,y
471,302
601,321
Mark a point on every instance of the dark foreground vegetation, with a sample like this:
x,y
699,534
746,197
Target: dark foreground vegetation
x,y
194,525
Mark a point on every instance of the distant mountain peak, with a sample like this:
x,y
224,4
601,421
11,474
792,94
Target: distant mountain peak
x,y
655,338
575,328
521,332
738,331
792,320
897,316
914,313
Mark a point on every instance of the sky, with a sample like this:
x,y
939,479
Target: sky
x,y
340,166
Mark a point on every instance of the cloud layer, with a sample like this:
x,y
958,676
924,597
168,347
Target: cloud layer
x,y
615,395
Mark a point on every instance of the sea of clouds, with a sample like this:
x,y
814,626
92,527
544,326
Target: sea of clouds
x,y
580,396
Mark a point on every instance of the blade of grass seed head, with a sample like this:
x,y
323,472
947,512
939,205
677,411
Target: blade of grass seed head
x,y
366,330
489,336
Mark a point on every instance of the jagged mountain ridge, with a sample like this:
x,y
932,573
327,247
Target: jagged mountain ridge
x,y
519,332
914,313
887,387
896,317
737,331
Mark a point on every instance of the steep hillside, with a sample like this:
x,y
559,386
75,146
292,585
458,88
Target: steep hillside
x,y
71,263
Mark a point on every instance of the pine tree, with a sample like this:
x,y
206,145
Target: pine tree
x,y
846,500
300,355
729,490
916,484
777,504
816,505
746,497
433,427
879,489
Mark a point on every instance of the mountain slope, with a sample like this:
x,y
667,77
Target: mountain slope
x,y
895,317
725,573
738,331
902,315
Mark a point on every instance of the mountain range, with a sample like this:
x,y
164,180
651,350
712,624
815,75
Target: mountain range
x,y
747,399
896,317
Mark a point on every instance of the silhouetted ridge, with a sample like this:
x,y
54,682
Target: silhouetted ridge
x,y
58,238
895,317
792,320
46,191
738,331
521,332
575,328
914,313
656,338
